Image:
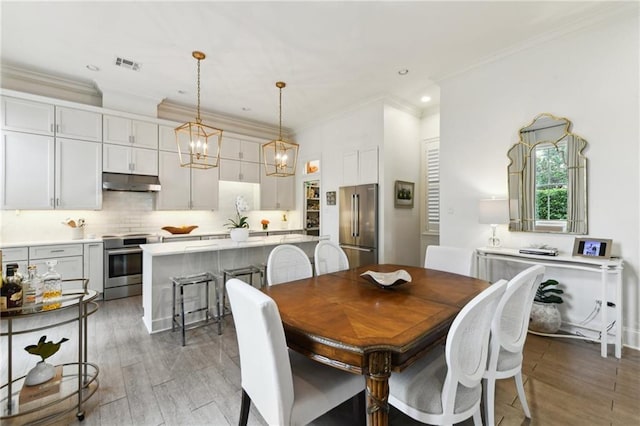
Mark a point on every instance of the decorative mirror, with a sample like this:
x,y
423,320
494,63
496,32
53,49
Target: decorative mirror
x,y
548,178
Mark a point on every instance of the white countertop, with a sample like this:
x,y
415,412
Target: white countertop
x,y
48,242
178,247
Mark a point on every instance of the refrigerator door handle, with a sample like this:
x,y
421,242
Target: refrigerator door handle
x,y
353,209
357,216
368,250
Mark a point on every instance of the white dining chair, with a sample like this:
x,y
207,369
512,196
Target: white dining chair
x,y
287,388
457,260
508,335
287,262
329,257
445,386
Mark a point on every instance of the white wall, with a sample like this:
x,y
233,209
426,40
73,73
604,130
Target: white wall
x,y
400,160
590,77
396,134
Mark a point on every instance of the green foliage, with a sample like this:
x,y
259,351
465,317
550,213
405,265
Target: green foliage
x,y
548,293
45,350
239,222
551,204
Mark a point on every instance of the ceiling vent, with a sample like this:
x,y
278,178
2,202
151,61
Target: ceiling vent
x,y
127,63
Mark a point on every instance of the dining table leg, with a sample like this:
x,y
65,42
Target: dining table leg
x,y
377,373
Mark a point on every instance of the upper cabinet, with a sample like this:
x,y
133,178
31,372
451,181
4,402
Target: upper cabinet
x,y
276,193
131,160
27,116
360,167
21,115
60,173
184,188
239,160
125,131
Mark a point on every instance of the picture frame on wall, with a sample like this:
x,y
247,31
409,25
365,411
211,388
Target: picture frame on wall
x,y
404,194
592,247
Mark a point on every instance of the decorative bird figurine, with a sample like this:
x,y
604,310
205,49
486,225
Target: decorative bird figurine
x,y
45,349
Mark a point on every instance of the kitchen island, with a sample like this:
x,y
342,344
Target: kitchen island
x,y
162,261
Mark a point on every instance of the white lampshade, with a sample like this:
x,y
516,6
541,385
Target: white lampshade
x,y
493,211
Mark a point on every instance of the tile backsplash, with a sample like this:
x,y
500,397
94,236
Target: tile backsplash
x,y
126,212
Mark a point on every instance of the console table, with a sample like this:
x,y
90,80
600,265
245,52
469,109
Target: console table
x,y
610,271
79,378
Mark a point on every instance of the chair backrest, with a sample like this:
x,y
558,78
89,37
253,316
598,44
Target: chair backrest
x,y
511,321
467,344
287,262
457,260
329,257
265,368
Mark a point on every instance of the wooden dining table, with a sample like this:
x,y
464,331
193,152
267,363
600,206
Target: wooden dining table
x,y
345,321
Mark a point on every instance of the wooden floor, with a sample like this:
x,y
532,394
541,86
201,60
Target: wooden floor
x,y
153,380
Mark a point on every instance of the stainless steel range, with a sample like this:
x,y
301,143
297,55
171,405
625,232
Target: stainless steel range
x,y
123,264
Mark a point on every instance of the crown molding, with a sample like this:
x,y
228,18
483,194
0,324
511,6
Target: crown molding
x,y
18,78
180,113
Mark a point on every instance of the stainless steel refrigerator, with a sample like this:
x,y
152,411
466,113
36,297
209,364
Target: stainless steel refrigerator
x,y
358,233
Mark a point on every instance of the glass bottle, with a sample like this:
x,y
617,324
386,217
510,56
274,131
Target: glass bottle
x,y
32,286
52,286
11,291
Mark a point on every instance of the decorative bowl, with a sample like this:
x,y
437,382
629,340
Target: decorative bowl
x,y
179,229
387,279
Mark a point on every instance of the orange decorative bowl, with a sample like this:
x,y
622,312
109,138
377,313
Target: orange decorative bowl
x,y
179,229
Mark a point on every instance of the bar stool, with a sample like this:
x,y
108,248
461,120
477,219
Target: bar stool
x,y
199,263
243,271
179,283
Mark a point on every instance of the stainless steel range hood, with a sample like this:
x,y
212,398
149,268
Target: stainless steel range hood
x,y
127,182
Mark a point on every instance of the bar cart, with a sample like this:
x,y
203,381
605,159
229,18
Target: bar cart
x,y
79,380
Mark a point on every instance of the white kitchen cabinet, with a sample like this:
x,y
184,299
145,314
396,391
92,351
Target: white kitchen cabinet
x,y
27,116
184,188
239,171
78,175
127,159
93,264
125,131
22,115
27,181
19,255
40,173
276,193
238,149
167,138
360,167
73,123
69,259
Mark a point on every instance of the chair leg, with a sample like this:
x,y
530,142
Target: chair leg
x,y
522,395
489,392
244,409
182,312
477,418
219,311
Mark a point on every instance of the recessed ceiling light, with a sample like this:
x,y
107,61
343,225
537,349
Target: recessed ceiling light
x,y
93,68
425,98
403,71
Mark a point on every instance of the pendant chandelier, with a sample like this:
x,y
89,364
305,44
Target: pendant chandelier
x,y
198,144
280,156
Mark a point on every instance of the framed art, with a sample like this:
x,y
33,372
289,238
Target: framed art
x,y
404,194
592,247
331,198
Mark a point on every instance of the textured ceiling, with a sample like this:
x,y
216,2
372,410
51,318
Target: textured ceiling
x,y
332,55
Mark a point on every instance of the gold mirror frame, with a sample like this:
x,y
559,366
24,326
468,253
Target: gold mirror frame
x,y
551,134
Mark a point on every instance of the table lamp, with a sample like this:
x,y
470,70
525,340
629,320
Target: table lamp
x,y
494,212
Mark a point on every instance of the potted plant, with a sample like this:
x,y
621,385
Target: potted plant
x,y
545,316
43,371
239,226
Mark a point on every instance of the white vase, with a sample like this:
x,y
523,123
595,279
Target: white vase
x,y
41,373
239,234
545,318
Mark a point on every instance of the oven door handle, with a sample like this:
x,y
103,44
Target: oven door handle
x,y
124,251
